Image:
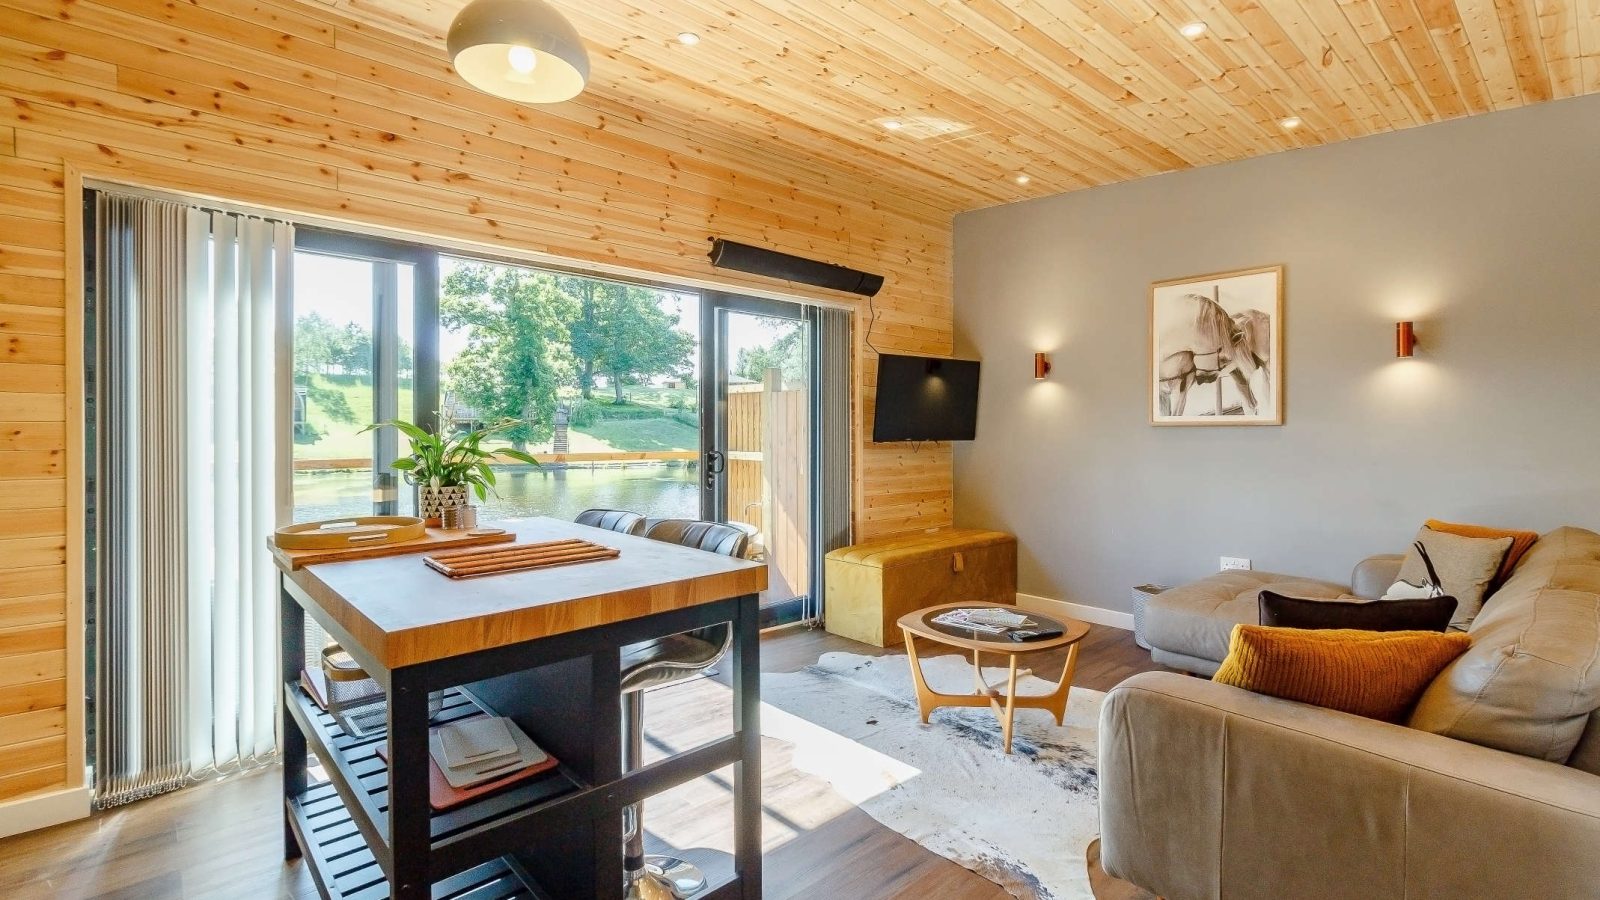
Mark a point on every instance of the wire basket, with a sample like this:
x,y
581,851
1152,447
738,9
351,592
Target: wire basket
x,y
355,699
1141,596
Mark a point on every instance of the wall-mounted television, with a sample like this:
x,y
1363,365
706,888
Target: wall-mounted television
x,y
926,398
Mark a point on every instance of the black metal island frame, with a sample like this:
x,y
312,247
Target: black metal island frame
x,y
542,647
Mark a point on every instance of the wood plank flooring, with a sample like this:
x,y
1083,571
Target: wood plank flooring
x,y
223,840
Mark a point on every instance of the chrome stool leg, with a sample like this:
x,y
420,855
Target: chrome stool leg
x,y
653,877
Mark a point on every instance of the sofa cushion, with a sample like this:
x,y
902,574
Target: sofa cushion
x,y
1377,674
1532,678
1423,614
1466,567
1197,618
1521,541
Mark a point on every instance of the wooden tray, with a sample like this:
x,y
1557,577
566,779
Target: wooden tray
x,y
433,539
355,531
518,558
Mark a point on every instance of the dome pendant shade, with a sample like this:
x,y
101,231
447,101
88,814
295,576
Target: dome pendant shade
x,y
518,49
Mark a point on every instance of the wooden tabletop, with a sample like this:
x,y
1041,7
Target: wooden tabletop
x,y
1072,631
404,613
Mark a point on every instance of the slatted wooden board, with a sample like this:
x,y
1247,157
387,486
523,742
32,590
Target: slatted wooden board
x,y
519,558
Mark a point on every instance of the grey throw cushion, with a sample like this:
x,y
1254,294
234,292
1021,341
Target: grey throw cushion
x,y
1466,567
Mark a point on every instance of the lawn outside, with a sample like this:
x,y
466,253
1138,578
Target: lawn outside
x,y
652,419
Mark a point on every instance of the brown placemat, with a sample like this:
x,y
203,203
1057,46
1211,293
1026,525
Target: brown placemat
x,y
518,558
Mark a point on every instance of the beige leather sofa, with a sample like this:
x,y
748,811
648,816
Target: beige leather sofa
x,y
1188,627
1209,791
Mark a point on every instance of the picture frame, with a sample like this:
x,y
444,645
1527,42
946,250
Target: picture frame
x,y
1216,348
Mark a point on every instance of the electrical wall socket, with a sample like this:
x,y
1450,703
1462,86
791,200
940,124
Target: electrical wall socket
x,y
1230,563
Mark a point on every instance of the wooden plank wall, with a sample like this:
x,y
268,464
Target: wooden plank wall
x,y
290,106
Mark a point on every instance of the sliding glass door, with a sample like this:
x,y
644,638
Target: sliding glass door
x,y
761,440
670,403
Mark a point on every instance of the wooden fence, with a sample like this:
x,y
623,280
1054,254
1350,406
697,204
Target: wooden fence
x,y
769,479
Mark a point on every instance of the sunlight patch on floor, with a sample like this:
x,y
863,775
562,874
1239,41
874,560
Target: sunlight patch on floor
x,y
810,775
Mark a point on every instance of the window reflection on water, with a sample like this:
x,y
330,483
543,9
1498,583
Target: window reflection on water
x,y
670,490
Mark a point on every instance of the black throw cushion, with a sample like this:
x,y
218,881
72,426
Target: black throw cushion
x,y
1427,614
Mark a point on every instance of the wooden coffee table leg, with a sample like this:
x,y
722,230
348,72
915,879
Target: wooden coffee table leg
x,y
1011,701
1056,702
925,702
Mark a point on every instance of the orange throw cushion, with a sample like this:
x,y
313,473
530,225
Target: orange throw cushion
x,y
1377,674
1520,541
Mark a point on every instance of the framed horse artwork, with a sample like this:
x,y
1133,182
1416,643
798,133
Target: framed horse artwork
x,y
1216,349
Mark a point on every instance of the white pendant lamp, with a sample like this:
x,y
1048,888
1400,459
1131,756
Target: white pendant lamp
x,y
518,49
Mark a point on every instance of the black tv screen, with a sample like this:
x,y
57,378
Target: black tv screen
x,y
925,398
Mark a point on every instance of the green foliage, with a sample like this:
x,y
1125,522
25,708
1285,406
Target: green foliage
x,y
515,356
531,332
323,348
786,353
449,461
622,331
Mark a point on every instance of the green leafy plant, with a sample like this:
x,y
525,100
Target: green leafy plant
x,y
438,461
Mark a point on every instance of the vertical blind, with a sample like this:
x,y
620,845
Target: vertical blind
x,y
187,491
831,459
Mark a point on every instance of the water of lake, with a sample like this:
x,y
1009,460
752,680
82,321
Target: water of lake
x,y
655,490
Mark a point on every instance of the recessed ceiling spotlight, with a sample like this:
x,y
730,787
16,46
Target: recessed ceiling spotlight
x,y
1193,29
892,124
688,38
1290,123
1023,179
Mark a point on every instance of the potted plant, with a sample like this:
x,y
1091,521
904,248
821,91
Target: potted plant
x,y
443,468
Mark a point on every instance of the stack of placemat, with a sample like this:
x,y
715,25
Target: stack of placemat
x,y
476,756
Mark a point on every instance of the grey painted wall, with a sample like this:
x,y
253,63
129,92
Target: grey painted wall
x,y
1485,231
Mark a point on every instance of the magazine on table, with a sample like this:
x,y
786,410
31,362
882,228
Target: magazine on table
x,y
984,620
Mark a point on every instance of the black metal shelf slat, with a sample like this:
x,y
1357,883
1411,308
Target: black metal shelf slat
x,y
323,826
358,773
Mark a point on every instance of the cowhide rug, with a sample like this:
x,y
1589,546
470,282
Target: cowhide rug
x,y
1024,821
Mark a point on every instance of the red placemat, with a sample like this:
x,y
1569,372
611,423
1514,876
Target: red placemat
x,y
315,683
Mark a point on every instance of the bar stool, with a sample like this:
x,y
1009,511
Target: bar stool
x,y
656,663
620,520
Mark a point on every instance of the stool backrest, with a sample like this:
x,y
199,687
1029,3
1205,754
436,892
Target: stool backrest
x,y
712,537
620,520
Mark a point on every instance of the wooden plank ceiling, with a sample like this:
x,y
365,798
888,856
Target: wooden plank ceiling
x,y
1003,100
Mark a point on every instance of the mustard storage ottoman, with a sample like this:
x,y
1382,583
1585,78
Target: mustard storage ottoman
x,y
870,586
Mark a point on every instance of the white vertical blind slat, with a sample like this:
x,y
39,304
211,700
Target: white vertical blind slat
x,y
258,733
199,336
225,388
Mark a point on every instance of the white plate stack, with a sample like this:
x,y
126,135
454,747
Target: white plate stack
x,y
477,750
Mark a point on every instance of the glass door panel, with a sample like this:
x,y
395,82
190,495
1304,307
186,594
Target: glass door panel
x,y
353,365
333,398
759,469
595,378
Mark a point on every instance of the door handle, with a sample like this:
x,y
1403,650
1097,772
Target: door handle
x,y
716,464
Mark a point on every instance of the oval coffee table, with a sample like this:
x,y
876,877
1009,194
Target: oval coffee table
x,y
920,624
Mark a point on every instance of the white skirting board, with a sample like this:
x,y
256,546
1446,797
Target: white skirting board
x,y
43,810
1094,615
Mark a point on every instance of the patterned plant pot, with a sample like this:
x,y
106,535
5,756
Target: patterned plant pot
x,y
432,501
